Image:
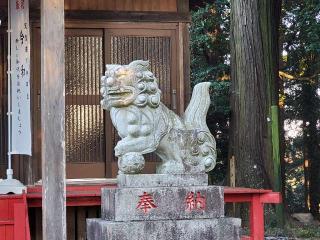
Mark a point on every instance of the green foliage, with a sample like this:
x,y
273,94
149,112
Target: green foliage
x,y
210,62
301,44
210,42
294,230
295,176
301,36
310,232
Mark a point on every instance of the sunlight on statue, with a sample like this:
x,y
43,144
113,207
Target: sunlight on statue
x,y
145,125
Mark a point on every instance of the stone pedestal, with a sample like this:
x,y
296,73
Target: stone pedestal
x,y
163,207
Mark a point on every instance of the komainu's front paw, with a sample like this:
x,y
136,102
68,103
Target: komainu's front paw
x,y
118,150
122,147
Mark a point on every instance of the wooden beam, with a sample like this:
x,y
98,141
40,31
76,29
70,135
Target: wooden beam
x,y
52,119
122,16
128,16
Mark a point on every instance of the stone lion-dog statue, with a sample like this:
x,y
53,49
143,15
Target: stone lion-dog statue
x,y
145,125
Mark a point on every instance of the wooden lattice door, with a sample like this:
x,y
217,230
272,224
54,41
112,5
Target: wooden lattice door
x,y
85,131
84,118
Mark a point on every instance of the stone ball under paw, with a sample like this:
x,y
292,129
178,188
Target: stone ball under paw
x,y
131,163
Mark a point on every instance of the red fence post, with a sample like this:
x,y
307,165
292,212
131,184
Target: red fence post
x,y
256,218
19,221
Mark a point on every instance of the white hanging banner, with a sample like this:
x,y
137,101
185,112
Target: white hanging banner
x,y
20,77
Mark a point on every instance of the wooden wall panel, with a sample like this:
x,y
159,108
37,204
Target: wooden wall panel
x,y
123,5
164,5
103,4
114,5
76,222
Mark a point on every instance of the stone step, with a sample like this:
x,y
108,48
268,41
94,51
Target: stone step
x,y
204,229
162,203
161,180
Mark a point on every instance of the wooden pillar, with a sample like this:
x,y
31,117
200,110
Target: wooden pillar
x,y
52,120
184,66
184,57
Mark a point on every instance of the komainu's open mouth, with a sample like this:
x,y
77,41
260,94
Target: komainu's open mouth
x,y
118,93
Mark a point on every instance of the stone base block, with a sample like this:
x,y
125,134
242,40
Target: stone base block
x,y
161,180
162,203
204,229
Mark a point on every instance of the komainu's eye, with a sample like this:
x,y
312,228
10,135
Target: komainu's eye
x,y
110,81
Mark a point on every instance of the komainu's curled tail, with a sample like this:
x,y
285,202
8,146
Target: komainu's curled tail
x,y
196,112
195,119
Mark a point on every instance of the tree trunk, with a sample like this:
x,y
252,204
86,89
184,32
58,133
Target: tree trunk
x,y
254,65
310,103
